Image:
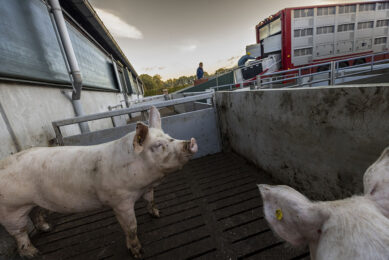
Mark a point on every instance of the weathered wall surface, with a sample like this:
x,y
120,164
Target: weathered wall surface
x,y
31,109
319,140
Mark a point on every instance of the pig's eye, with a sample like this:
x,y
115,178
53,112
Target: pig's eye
x,y
155,147
171,140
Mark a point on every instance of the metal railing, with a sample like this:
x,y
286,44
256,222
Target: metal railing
x,y
217,76
235,86
141,107
323,72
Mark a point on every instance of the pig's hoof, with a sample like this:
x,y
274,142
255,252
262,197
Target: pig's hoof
x,y
29,252
137,252
154,213
45,227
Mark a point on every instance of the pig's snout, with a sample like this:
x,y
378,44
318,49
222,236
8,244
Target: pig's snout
x,y
191,146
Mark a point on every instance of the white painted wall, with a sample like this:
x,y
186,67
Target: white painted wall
x,y
31,109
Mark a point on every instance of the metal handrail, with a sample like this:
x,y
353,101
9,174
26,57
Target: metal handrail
x,y
334,71
365,56
134,109
216,76
216,88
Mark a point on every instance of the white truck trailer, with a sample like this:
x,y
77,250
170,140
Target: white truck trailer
x,y
302,36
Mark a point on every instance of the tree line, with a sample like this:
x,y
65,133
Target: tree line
x,y
154,85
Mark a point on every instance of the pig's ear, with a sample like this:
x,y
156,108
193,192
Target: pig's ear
x,y
376,182
291,215
155,118
141,133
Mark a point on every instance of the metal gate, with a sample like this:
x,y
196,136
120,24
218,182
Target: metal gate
x,y
198,120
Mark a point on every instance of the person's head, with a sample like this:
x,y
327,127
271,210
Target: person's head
x,y
248,53
201,64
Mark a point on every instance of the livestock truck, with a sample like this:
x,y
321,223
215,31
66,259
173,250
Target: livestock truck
x,y
302,36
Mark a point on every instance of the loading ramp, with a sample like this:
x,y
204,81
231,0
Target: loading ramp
x,y
209,210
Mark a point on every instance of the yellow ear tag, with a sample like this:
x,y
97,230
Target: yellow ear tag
x,y
139,137
279,214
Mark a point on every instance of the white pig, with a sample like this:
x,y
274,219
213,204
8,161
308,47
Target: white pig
x,y
352,229
81,178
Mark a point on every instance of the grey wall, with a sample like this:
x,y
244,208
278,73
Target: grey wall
x,y
200,124
31,109
319,140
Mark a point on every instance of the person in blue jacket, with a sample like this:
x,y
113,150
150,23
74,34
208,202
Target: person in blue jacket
x,y
200,71
244,58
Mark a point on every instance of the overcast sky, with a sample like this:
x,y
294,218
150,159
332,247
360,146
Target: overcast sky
x,y
170,37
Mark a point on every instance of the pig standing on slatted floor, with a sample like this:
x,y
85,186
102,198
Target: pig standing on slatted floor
x,y
80,178
355,228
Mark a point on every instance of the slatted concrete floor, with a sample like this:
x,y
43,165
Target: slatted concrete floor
x,y
209,210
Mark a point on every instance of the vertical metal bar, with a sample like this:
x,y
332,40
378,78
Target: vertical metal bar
x,y
60,45
125,89
137,86
259,83
299,79
115,68
122,90
332,73
84,127
9,128
214,105
68,47
372,62
58,134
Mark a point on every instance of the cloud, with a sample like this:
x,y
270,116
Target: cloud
x,y
233,58
117,26
187,48
148,68
154,68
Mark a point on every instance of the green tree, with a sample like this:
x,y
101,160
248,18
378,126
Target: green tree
x,y
158,81
154,84
148,82
221,70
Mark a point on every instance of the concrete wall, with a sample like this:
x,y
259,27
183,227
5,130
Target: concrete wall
x,y
31,109
319,140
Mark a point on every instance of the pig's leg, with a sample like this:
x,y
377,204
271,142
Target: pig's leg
x,y
126,216
15,222
38,216
149,197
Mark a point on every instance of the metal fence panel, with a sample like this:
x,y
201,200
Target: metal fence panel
x,y
227,78
201,124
